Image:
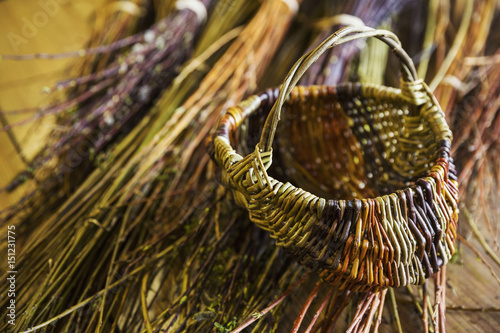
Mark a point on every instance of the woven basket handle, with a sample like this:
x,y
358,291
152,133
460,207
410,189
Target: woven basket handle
x,y
408,72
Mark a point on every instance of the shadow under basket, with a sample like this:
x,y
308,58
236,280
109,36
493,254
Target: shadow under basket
x,y
374,197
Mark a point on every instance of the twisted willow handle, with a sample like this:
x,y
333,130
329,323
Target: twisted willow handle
x,y
408,72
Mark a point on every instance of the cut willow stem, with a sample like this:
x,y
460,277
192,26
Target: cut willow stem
x,y
306,306
79,53
443,300
395,310
378,320
319,311
144,306
12,138
368,321
360,312
425,315
259,314
437,295
440,298
341,300
26,110
111,269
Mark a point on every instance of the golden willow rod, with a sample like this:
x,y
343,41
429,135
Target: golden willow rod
x,y
401,236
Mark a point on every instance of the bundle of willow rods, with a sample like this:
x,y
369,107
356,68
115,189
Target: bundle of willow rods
x,y
144,238
118,95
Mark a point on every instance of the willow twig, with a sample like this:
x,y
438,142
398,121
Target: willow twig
x,y
395,310
319,311
144,290
259,314
479,236
305,307
378,320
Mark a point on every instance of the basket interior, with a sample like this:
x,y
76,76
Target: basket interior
x,y
344,144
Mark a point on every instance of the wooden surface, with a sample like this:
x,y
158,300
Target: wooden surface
x,y
29,27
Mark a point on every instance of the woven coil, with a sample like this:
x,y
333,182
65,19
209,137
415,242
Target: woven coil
x,y
385,208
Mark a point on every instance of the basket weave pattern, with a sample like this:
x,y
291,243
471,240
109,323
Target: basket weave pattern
x,y
385,152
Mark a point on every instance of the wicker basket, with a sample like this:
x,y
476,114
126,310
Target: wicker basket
x,y
384,213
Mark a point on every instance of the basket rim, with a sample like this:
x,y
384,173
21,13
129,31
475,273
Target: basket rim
x,y
438,170
269,200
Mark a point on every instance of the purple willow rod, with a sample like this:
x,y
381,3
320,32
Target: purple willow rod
x,y
51,110
319,311
378,320
148,69
108,72
338,304
69,83
330,67
80,53
361,309
307,304
127,87
28,110
367,321
142,79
